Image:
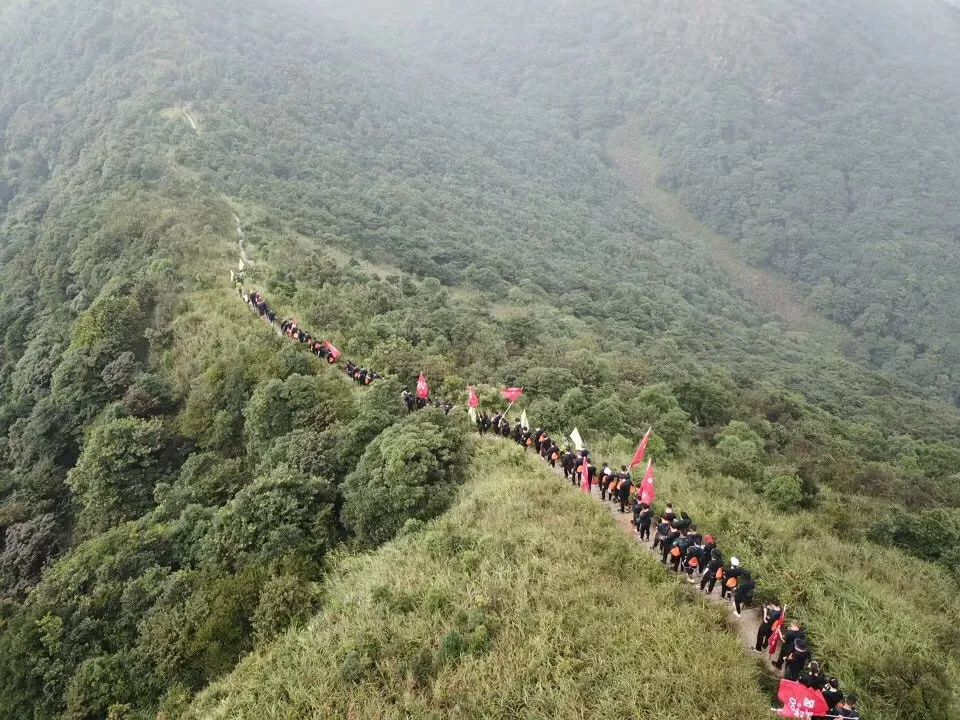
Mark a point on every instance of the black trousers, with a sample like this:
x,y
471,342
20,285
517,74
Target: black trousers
x,y
709,578
623,503
724,591
763,636
644,532
664,552
740,600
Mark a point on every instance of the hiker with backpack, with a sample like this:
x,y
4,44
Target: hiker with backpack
x,y
731,578
743,593
772,612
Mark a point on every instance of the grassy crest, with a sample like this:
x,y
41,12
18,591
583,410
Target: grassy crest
x,y
524,600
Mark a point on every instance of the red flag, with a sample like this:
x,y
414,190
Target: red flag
x,y
423,389
512,394
648,491
775,631
641,451
585,476
474,400
334,353
799,701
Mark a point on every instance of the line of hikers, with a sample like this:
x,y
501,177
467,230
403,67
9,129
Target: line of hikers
x,y
685,551
323,349
682,547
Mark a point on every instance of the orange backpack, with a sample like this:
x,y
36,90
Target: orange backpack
x,y
732,583
675,552
719,575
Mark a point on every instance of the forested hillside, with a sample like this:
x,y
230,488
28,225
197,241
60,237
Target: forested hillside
x,y
821,135
179,486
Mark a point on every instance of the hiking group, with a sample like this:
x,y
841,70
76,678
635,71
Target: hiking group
x,y
682,547
686,551
323,349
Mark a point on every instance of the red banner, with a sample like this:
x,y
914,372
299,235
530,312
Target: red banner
x,y
512,394
648,490
334,353
585,476
423,389
799,701
474,399
641,452
775,629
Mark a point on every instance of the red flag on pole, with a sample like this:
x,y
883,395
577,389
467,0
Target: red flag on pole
x,y
512,394
333,352
585,475
423,389
799,701
474,400
641,451
648,491
775,629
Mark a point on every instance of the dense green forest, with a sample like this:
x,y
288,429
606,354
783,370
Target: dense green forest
x,y
179,486
821,135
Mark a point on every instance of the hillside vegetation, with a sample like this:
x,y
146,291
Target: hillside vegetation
x,y
524,600
179,486
821,135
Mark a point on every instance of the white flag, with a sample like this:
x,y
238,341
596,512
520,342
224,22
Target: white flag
x,y
240,265
577,440
523,420
472,412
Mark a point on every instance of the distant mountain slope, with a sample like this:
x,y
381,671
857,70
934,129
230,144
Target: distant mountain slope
x,y
822,135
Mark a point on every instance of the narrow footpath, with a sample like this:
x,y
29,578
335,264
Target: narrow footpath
x,y
746,626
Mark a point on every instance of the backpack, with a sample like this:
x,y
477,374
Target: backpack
x,y
732,583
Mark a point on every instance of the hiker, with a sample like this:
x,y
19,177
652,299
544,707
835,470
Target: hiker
x,y
606,478
679,549
731,578
694,558
624,484
847,708
796,659
553,455
794,632
709,544
831,693
669,514
644,520
666,544
743,593
569,463
771,613
504,428
663,529
813,676
713,571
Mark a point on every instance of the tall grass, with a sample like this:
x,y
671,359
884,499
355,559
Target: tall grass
x,y
525,600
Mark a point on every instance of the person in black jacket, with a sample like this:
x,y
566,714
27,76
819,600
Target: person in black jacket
x,y
666,544
624,485
796,660
771,613
831,693
744,592
731,578
795,632
663,529
694,559
813,677
644,520
711,571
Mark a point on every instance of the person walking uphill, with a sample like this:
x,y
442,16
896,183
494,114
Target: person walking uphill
x,y
624,485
